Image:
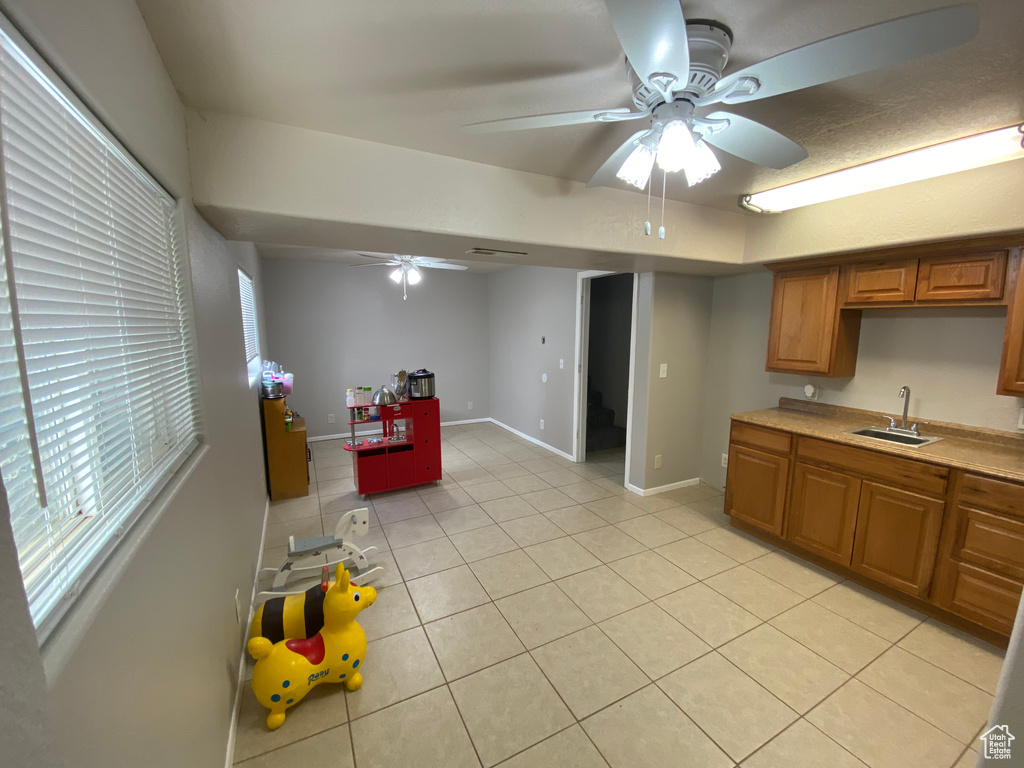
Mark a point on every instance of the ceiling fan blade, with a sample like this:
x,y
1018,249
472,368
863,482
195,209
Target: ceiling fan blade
x,y
426,259
754,142
605,176
380,264
851,53
554,120
442,266
653,36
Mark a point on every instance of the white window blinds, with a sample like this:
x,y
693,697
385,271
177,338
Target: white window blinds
x,y
248,296
97,388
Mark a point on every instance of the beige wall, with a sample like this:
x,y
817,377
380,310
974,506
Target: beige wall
x,y
948,357
142,671
337,326
532,327
680,319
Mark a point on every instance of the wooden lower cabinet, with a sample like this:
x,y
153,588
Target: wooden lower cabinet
x,y
823,512
897,537
756,487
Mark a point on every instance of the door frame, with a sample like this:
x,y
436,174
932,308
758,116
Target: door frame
x,y
581,369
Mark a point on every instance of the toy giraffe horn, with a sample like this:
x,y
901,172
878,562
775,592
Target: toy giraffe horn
x,y
341,575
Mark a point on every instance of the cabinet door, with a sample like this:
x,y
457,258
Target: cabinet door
x,y
823,512
1011,368
973,277
897,537
756,487
884,282
806,331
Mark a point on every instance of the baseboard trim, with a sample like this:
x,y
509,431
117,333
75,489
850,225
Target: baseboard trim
x,y
663,488
465,421
229,760
533,440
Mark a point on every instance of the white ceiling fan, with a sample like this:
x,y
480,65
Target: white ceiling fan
x,y
407,268
678,71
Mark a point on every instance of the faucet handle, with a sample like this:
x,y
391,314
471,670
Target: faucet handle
x,y
913,428
892,421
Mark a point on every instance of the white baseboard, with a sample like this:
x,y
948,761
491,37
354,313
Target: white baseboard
x,y
533,440
663,488
465,421
230,758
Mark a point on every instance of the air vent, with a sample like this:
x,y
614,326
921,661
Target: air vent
x,y
494,252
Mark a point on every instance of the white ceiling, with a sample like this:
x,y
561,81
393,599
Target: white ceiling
x,y
410,73
354,258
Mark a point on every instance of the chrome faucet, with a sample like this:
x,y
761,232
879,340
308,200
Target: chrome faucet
x,y
905,394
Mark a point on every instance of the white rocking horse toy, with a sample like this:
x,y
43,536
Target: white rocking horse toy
x,y
338,548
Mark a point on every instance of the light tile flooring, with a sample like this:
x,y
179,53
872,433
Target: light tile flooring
x,y
535,613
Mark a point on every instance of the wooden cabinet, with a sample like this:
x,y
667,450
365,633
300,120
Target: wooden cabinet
x,y
881,282
971,277
807,331
286,455
897,537
1011,368
757,487
823,512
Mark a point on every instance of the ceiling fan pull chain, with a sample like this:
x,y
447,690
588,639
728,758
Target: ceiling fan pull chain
x,y
405,293
664,180
647,224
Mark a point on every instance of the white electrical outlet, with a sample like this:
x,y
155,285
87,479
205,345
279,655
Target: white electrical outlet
x,y
561,363
663,373
330,418
238,607
725,459
542,423
657,461
469,406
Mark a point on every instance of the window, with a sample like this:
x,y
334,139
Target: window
x,y
249,329
98,403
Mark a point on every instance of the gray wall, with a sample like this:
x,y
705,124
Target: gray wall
x,y
678,328
337,327
142,670
611,317
948,357
527,303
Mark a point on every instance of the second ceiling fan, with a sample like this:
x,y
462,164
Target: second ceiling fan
x,y
679,68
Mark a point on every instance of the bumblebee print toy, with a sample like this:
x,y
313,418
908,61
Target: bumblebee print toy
x,y
288,670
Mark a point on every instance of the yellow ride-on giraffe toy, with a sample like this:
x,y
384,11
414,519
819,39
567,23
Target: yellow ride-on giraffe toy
x,y
288,670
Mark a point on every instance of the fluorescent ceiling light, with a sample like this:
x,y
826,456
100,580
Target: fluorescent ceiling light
x,y
396,275
928,162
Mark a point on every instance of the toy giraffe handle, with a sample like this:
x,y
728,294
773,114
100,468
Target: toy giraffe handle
x,y
325,579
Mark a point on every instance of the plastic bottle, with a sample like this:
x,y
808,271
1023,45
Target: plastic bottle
x,y
350,398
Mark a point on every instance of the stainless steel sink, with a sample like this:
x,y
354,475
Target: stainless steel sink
x,y
889,436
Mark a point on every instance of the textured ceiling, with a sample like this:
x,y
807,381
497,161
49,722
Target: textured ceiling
x,y
410,73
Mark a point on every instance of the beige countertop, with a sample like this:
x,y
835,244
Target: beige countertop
x,y
992,452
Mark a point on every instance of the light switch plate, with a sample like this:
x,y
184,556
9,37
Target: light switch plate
x,y
561,363
657,461
330,418
663,373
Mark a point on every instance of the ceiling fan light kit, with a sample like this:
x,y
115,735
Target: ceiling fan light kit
x,y
407,268
948,157
678,66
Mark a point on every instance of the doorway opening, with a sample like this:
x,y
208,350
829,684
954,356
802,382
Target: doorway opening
x,y
606,329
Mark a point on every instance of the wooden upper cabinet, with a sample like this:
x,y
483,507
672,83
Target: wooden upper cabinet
x,y
883,282
1011,369
970,277
807,332
823,512
897,537
756,487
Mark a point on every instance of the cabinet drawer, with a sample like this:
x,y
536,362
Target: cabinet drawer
x,y
989,540
973,277
759,437
989,493
985,597
928,478
881,282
